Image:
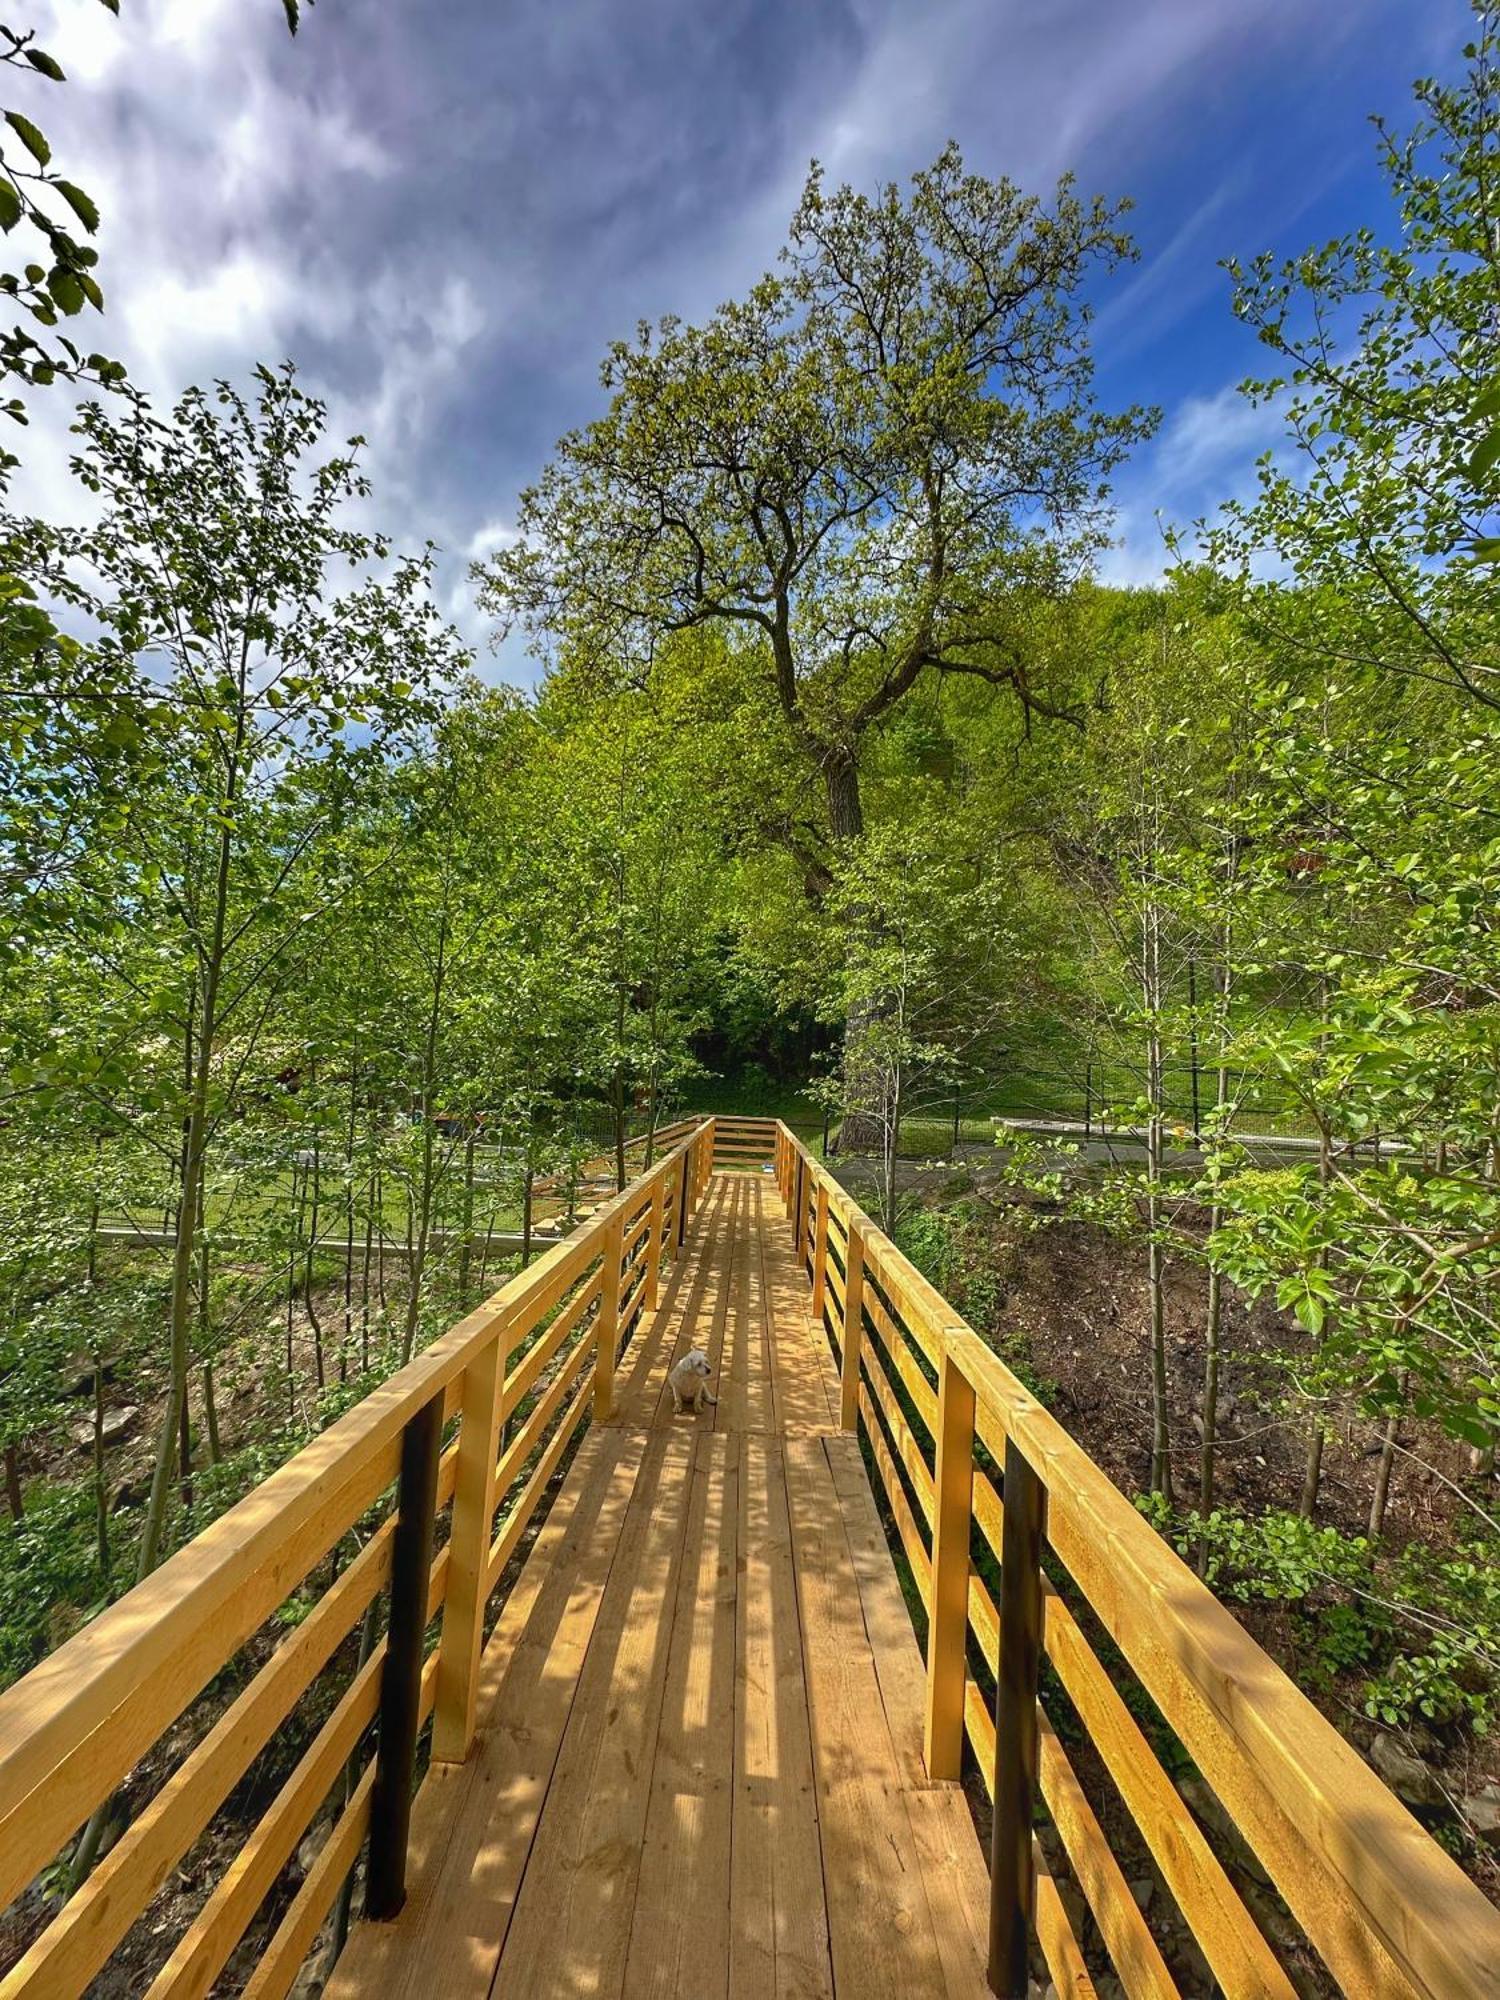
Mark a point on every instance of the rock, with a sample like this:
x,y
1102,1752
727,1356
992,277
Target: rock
x,y
1408,1777
82,1383
1482,1811
1143,1890
309,1981
117,1426
131,1493
1272,1919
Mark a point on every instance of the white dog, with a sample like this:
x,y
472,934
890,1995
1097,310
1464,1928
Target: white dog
x,y
689,1380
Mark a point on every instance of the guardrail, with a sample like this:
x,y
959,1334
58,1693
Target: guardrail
x,y
982,1482
744,1142
482,1418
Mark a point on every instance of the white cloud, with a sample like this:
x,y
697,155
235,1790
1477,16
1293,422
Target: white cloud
x,y
1204,457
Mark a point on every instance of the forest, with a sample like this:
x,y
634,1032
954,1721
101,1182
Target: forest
x,y
1132,953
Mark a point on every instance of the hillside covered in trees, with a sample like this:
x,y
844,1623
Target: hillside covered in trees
x,y
1133,951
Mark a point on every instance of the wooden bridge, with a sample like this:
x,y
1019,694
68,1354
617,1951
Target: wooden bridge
x,y
646,1711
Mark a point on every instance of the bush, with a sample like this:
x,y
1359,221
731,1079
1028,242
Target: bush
x,y
1425,1622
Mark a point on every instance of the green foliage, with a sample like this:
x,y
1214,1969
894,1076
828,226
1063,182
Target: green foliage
x,y
49,1576
1385,367
1422,1626
57,279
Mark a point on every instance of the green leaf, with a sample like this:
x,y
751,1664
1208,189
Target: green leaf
x,y
30,137
48,65
67,292
1486,548
1484,455
80,203
10,205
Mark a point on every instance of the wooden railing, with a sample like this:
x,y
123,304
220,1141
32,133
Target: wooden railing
x,y
472,1433
982,1484
744,1142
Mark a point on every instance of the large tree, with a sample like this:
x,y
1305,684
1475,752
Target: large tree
x,y
851,471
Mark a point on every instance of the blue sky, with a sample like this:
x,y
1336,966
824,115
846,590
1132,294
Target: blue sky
x,y
443,212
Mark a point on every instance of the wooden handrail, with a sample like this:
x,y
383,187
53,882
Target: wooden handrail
x,y
74,1727
1389,1912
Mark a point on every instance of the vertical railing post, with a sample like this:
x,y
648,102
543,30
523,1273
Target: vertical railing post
x,y
607,1325
685,1172
655,1228
1012,1858
401,1675
948,1625
799,1206
854,1326
474,1501
820,1254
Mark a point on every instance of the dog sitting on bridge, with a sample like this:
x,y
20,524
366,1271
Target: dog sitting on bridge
x,y
689,1380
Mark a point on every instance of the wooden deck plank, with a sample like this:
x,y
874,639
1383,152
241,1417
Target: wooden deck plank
x,y
778,1944
803,1379
679,1941
938,1813
880,1921
472,1823
750,1403
571,1929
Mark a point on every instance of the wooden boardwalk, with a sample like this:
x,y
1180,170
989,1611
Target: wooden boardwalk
x,y
699,1769
692,1756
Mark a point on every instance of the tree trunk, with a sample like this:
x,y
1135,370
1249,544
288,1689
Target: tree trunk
x,y
861,1128
184,1452
211,1416
350,1133
1312,1467
291,1292
1312,1472
1151,994
1380,1498
1214,1316
466,1246
419,1236
101,1495
308,1273
379,1198
891,1143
